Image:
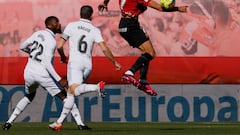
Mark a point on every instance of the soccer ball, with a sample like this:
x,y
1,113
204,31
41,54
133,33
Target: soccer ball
x,y
167,3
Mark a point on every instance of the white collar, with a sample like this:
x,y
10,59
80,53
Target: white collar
x,y
48,30
85,20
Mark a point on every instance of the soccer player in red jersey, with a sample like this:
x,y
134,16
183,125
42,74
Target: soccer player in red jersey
x,y
133,33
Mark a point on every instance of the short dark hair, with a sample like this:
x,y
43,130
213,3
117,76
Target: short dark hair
x,y
86,12
49,19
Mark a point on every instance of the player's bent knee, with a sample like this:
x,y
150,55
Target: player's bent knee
x,y
72,88
147,56
153,54
148,48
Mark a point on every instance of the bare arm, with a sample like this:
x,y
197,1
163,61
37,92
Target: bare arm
x,y
63,57
107,52
103,5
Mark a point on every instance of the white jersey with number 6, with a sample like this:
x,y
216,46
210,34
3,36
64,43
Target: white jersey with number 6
x,y
82,35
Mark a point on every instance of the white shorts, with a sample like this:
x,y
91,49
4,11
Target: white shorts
x,y
33,80
78,73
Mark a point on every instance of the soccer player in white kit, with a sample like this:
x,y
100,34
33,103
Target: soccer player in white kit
x,y
39,70
82,35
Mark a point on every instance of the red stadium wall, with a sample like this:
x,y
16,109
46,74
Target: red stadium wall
x,y
163,70
197,47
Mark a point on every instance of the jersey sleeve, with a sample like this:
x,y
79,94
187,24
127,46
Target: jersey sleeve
x,y
25,45
67,32
98,36
48,59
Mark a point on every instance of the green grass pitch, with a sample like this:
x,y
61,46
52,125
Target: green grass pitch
x,y
128,128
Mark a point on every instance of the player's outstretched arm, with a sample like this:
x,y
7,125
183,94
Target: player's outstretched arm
x,y
107,52
60,50
182,9
25,47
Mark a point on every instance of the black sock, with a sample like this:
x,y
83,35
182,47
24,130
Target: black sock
x,y
142,60
144,71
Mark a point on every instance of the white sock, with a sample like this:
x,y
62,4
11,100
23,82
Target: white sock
x,y
67,107
84,88
21,105
76,115
129,73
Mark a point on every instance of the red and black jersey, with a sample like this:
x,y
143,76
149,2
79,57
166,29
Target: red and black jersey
x,y
133,7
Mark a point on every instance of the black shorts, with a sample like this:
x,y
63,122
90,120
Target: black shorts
x,y
131,31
